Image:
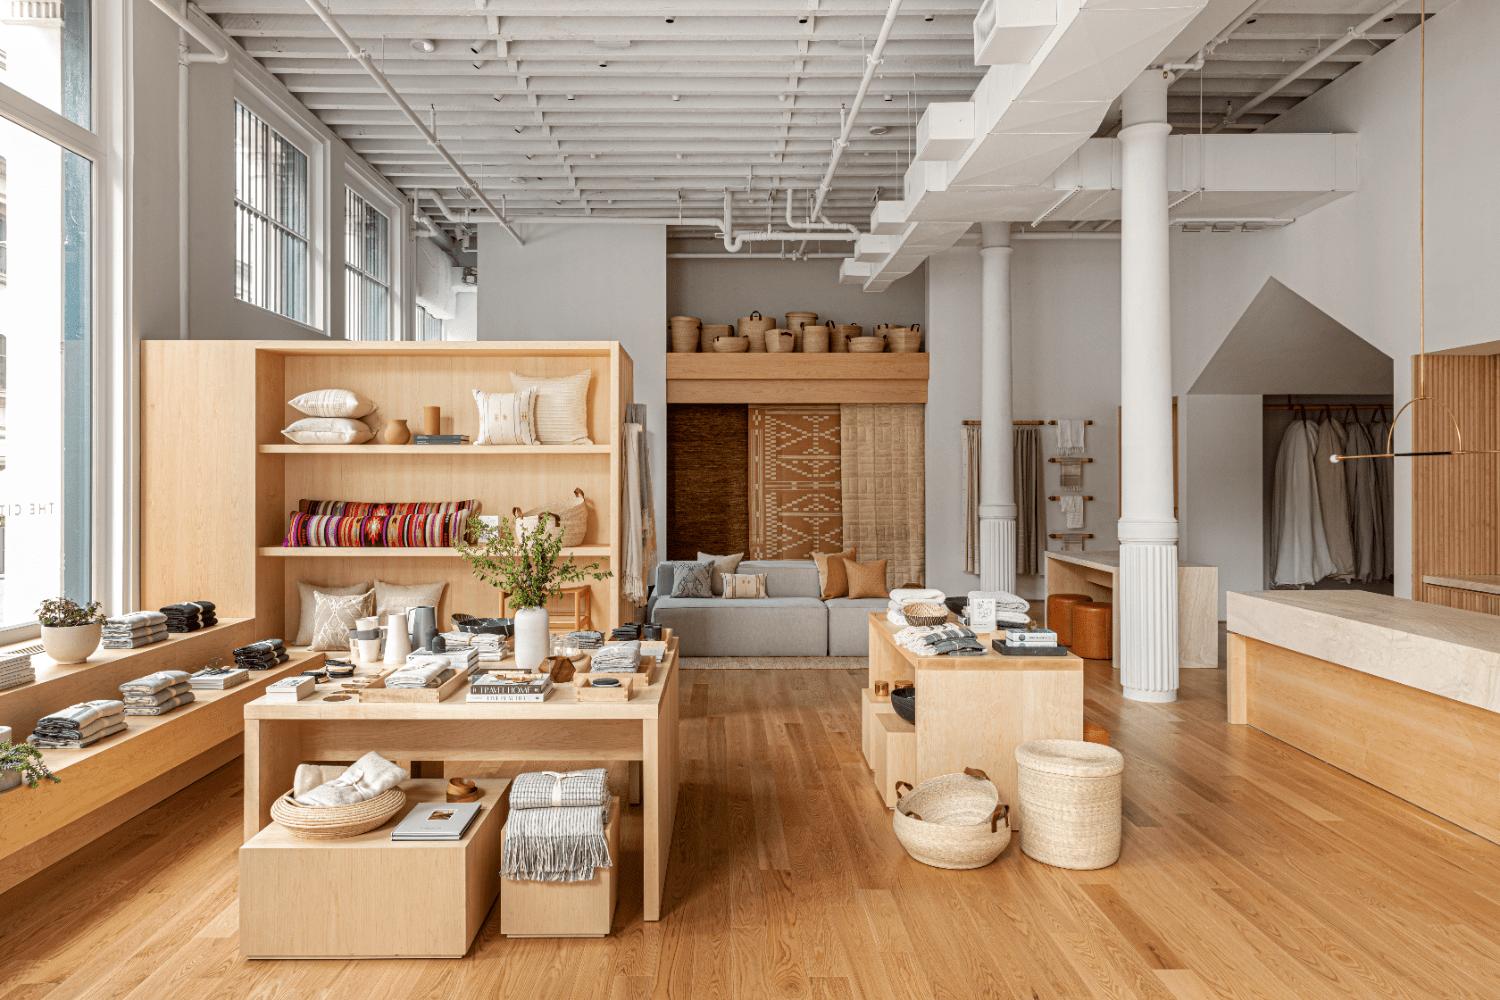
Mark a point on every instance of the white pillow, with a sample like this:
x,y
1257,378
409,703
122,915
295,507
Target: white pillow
x,y
328,430
507,417
333,403
562,406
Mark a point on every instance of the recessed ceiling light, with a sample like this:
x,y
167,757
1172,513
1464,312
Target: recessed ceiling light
x,y
423,45
517,128
603,65
676,97
929,17
671,19
801,20
879,129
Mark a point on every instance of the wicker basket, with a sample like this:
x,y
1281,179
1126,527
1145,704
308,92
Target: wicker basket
x,y
1060,615
732,345
757,341
572,514
815,339
779,341
904,340
952,821
839,342
712,332
925,614
684,340
336,822
755,323
1093,630
795,321
866,345
1070,803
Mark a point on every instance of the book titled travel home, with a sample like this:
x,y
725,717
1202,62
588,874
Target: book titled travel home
x,y
483,690
436,821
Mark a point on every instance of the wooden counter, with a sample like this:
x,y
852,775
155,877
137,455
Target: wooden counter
x,y
1094,573
1403,694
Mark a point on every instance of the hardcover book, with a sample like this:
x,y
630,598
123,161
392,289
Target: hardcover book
x,y
436,821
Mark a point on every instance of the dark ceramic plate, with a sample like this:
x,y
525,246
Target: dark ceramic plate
x,y
904,701
488,626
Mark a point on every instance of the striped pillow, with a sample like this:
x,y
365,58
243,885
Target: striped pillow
x,y
376,530
744,585
507,417
562,406
364,508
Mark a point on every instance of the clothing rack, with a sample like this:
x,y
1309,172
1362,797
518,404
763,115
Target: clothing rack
x,y
1071,534
1030,423
1328,406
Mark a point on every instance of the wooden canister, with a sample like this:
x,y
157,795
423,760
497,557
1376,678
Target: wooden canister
x,y
755,323
815,339
432,420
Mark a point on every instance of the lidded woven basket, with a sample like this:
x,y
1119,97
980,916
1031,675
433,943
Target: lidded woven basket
x,y
1070,796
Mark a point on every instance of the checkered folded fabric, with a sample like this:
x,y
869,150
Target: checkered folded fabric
x,y
377,530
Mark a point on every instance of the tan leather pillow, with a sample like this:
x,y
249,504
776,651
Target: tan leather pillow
x,y
831,579
866,579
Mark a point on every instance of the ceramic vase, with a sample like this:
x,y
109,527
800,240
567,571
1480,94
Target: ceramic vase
x,y
397,641
532,638
74,644
395,432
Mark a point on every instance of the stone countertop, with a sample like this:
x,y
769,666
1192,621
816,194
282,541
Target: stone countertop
x,y
1109,561
1482,584
1445,651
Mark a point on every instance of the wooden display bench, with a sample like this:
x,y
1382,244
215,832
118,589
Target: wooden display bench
x,y
369,896
565,909
1094,574
972,711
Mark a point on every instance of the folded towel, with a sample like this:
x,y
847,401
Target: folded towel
x,y
911,595
138,699
1070,438
163,708
142,629
421,673
189,608
366,778
546,789
49,742
136,619
564,844
134,642
1004,600
82,714
622,658
272,646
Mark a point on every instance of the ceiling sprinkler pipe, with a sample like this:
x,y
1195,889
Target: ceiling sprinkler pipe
x,y
442,205
845,227
1176,69
219,54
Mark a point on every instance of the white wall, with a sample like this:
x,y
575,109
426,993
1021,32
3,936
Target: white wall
x,y
1219,497
721,291
604,282
953,280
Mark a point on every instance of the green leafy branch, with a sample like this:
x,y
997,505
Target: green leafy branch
x,y
27,759
527,567
64,612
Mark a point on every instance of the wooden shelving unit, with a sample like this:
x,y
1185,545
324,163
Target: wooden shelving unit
x,y
797,378
342,552
371,450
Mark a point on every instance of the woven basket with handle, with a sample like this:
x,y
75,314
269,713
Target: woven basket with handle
x,y
572,516
755,323
712,332
335,822
866,345
952,821
904,340
815,339
732,345
779,341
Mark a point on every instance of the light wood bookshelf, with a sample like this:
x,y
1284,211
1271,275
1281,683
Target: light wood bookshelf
x,y
218,480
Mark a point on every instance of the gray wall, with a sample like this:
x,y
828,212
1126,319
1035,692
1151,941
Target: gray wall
x,y
721,291
952,397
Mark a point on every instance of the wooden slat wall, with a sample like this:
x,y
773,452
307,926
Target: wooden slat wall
x,y
1456,501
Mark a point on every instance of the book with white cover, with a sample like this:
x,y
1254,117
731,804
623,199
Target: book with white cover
x,y
291,689
436,821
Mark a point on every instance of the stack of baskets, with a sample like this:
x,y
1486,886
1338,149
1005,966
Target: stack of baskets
x,y
685,333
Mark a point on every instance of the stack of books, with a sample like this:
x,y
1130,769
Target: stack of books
x,y
218,678
510,688
291,688
440,439
1029,642
436,821
463,660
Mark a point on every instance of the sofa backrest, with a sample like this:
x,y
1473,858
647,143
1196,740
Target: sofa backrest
x,y
786,577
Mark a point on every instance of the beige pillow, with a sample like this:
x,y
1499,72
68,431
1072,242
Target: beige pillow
x,y
334,618
562,406
506,417
328,430
722,565
395,598
866,579
305,591
333,403
831,578
736,586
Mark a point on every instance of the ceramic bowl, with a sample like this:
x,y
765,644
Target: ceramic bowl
x,y
489,626
956,604
904,701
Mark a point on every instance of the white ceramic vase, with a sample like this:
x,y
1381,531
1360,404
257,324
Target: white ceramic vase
x,y
397,642
533,638
73,644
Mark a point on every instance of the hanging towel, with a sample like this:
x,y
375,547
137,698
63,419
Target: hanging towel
x,y
1071,474
971,498
1300,547
1072,510
632,576
1333,499
1072,542
1069,438
1031,516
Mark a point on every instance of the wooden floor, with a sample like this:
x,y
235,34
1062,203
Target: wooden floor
x,y
1249,870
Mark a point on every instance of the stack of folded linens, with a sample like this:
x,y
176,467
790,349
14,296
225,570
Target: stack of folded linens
x,y
16,670
131,631
426,671
901,597
218,678
618,658
1009,609
262,655
158,693
939,640
189,616
79,726
555,832
624,633
585,639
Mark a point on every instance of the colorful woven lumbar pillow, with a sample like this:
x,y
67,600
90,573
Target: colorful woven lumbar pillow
x,y
361,508
377,530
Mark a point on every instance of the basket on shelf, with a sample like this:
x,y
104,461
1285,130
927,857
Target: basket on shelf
x,y
815,339
685,332
779,341
572,515
336,822
904,340
839,342
925,614
755,323
795,321
732,345
712,332
866,345
757,341
954,821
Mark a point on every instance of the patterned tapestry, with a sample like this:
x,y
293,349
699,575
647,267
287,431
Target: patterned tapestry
x,y
884,474
796,501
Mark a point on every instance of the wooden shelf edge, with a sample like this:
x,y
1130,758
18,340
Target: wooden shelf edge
x,y
488,451
376,552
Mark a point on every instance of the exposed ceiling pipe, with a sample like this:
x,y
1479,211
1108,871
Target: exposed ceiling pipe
x,y
1179,68
846,227
216,52
872,63
442,205
1354,33
432,140
732,243
607,220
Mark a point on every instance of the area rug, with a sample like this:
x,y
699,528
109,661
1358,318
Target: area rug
x,y
775,662
796,507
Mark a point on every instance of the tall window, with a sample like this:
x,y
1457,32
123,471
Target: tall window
x,y
429,327
367,269
270,201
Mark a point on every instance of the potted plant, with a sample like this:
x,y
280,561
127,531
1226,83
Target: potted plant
x,y
70,632
524,563
22,762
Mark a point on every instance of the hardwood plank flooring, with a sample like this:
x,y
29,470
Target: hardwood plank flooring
x,y
1249,870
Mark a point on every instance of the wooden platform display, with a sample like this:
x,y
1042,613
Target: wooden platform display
x,y
1094,573
565,909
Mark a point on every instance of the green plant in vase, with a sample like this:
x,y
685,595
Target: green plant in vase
x,y
70,631
527,564
27,759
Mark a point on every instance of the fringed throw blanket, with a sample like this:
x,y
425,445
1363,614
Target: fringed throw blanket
x,y
555,832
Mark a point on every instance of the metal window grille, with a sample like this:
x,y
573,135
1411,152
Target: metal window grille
x,y
270,201
367,264
429,327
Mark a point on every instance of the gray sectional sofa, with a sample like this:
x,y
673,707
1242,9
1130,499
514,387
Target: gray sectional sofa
x,y
792,621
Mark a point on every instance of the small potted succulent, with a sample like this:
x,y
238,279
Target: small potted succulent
x,y
70,631
22,762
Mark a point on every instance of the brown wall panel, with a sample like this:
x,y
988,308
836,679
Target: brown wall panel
x,y
708,479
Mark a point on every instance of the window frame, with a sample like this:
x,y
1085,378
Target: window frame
x,y
358,179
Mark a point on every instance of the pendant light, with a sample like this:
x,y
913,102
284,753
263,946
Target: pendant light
x,y
1421,396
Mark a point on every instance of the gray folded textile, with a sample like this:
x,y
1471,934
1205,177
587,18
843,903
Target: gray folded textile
x,y
623,658
546,789
422,673
946,633
161,708
139,698
63,731
159,681
136,619
51,742
134,641
366,778
562,844
125,632
80,715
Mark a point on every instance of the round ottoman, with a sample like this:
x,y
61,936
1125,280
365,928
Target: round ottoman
x,y
1060,615
1093,629
1069,794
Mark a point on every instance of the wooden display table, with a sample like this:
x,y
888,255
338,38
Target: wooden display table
x,y
1094,574
972,711
279,736
369,896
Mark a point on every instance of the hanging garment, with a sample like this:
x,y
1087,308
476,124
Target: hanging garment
x,y
1070,438
1333,500
1385,490
1072,541
1364,503
1072,510
971,498
1031,516
633,555
1300,546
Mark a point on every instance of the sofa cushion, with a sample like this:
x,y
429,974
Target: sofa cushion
x,y
786,577
772,626
849,624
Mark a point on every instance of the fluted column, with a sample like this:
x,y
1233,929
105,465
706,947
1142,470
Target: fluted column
x,y
1146,600
997,475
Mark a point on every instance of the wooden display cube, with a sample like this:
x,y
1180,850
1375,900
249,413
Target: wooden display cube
x,y
893,744
566,909
871,706
369,896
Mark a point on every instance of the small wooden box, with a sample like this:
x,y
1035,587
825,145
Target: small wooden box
x,y
893,745
871,706
378,694
370,897
566,909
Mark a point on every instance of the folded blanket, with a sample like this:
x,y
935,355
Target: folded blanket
x,y
136,620
545,789
564,844
366,778
1004,600
181,627
134,642
623,658
943,632
421,673
129,630
49,742
139,698
163,708
310,776
912,595
264,646
79,732
80,715
189,608
586,639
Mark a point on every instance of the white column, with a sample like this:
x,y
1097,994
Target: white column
x,y
997,474
1146,600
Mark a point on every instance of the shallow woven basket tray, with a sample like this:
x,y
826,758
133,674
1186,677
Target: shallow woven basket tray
x,y
952,821
925,614
336,822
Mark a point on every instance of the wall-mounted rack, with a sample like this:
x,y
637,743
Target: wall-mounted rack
x,y
1059,498
1071,534
1070,459
1054,422
1328,406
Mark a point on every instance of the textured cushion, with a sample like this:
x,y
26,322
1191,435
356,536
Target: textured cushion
x,y
507,417
364,508
722,565
849,624
562,406
738,586
777,626
305,592
866,579
334,617
333,403
692,579
328,430
394,598
832,580
377,530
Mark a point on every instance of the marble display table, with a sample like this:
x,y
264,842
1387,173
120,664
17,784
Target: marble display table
x,y
1403,694
1094,573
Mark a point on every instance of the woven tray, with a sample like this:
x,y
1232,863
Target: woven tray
x,y
925,614
337,822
